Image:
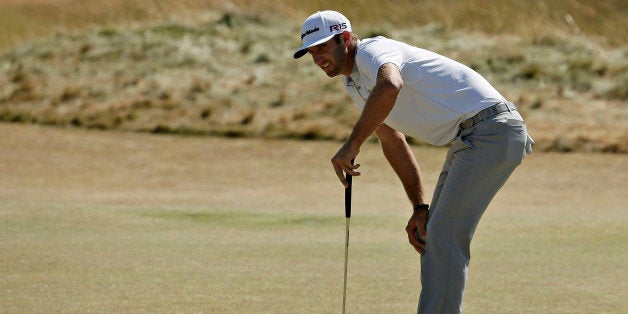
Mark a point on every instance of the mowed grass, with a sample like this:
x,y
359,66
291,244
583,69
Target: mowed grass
x,y
96,221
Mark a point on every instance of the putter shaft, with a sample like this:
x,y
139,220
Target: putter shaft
x,y
344,291
349,179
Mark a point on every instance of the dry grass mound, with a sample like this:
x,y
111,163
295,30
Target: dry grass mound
x,y
227,74
216,77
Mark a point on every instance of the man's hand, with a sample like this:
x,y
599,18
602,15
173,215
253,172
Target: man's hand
x,y
416,229
342,163
378,105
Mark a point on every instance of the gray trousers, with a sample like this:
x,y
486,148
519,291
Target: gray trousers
x,y
477,165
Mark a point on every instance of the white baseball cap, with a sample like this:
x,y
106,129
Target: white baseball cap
x,y
321,27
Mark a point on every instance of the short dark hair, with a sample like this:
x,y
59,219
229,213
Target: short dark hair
x,y
337,38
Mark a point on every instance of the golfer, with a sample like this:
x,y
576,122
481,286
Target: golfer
x,y
402,89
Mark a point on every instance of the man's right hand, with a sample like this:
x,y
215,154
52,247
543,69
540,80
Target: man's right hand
x,y
416,229
342,163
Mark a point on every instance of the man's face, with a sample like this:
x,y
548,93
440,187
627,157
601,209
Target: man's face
x,y
330,56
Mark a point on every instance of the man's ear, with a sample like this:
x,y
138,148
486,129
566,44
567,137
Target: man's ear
x,y
346,37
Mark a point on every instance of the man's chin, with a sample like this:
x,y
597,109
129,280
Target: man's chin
x,y
331,73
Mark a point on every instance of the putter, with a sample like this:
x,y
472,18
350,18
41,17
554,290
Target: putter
x,y
348,219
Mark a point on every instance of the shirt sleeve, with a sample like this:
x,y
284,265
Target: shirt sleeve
x,y
375,53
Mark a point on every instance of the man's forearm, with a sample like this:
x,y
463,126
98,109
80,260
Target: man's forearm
x,y
373,115
401,159
378,105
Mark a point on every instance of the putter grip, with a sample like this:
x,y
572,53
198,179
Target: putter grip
x,y
349,179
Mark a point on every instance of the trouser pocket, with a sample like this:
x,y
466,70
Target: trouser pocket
x,y
517,141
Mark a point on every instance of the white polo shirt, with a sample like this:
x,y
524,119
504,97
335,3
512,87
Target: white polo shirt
x,y
437,95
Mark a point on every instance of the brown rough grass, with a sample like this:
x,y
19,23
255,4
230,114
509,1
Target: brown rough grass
x,y
208,68
602,19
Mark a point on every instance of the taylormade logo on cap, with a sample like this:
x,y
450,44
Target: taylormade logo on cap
x,y
321,27
310,32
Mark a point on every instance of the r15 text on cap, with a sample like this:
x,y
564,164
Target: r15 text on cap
x,y
338,27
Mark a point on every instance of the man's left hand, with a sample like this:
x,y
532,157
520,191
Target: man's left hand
x,y
416,229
